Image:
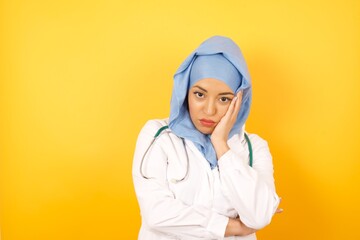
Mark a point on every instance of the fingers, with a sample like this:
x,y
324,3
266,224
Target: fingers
x,y
279,210
231,108
234,107
238,103
235,104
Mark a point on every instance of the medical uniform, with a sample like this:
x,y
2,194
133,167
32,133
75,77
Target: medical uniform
x,y
199,207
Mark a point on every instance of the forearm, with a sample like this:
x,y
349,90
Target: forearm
x,y
220,146
236,228
232,228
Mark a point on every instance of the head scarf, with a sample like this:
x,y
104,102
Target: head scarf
x,y
215,66
213,51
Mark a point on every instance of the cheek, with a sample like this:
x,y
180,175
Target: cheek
x,y
193,104
194,110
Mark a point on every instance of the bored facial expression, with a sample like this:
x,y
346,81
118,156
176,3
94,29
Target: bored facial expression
x,y
208,100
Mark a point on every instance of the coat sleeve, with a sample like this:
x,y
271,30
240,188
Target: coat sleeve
x,y
160,210
250,190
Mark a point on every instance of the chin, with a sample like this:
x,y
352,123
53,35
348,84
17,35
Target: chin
x,y
205,130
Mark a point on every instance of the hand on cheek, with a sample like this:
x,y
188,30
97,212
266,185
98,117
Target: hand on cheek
x,y
221,132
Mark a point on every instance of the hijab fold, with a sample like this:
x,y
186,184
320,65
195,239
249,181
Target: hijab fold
x,y
220,58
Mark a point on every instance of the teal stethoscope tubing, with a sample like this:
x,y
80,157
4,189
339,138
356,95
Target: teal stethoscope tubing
x,y
187,156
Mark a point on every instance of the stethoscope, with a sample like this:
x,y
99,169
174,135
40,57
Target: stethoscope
x,y
157,135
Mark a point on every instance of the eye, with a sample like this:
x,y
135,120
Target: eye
x,y
225,99
199,94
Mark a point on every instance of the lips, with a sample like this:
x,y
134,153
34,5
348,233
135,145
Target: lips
x,y
207,122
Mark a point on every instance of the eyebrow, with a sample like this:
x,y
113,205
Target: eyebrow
x,y
224,93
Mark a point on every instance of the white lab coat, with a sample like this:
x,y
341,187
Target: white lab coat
x,y
200,206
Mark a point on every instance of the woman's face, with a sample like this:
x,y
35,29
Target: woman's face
x,y
208,101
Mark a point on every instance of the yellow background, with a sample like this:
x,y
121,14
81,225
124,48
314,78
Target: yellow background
x,y
80,78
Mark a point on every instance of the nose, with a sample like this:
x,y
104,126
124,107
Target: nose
x,y
209,108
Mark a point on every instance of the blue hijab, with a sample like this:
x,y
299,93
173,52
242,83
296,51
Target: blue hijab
x,y
220,58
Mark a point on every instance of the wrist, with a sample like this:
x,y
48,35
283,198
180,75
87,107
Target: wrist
x,y
232,229
221,148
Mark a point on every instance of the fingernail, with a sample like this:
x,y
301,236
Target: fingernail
x,y
235,98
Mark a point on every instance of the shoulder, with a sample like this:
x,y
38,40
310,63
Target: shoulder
x,y
152,126
239,142
255,139
261,151
257,142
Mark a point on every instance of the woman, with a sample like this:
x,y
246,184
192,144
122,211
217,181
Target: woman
x,y
191,172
